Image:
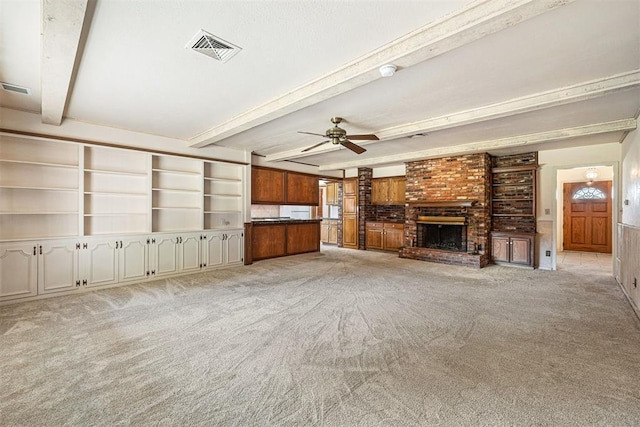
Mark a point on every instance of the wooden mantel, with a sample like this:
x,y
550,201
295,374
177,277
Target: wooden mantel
x,y
441,204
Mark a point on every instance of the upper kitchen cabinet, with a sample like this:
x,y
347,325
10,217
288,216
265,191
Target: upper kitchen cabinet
x,y
302,189
267,186
278,187
388,191
332,193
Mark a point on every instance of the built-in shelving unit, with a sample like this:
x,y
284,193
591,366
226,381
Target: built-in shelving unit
x,y
39,194
223,195
513,209
115,191
51,189
177,188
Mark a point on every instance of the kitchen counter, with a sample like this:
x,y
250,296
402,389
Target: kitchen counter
x,y
261,221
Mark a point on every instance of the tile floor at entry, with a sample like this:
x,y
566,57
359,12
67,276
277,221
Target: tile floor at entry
x,y
571,259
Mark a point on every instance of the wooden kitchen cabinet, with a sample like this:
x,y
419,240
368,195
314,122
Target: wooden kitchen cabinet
x,y
276,240
388,191
269,241
512,248
384,236
303,238
329,231
350,213
301,189
267,186
332,193
279,187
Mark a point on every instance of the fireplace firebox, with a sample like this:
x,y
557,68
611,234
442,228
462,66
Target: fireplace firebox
x,y
444,233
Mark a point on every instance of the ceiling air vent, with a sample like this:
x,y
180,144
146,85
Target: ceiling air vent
x,y
213,46
15,88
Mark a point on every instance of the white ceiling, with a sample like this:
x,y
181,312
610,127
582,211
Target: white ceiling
x,y
497,75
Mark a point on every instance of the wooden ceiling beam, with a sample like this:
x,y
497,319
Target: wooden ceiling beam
x,y
62,22
553,98
483,146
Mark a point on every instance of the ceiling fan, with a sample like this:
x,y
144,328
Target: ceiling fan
x,y
338,136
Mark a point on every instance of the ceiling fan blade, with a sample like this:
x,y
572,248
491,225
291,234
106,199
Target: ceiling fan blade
x,y
314,146
311,133
353,147
369,137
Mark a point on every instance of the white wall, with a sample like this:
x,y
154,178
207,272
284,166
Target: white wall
x,y
30,122
630,194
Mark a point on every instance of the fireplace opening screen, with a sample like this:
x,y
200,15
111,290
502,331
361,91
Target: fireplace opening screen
x,y
448,237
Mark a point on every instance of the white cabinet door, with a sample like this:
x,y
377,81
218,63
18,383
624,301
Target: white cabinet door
x,y
165,259
18,270
213,250
58,266
234,243
133,257
100,262
189,252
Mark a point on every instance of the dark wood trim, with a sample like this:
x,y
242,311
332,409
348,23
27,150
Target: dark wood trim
x,y
443,204
292,171
248,243
515,168
110,145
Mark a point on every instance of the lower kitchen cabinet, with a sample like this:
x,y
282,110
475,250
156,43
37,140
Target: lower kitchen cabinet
x,y
386,236
276,240
303,238
329,231
269,241
512,248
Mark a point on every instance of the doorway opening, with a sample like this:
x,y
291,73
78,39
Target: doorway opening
x,y
585,218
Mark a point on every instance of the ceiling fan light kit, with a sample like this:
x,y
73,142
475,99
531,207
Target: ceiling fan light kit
x,y
388,70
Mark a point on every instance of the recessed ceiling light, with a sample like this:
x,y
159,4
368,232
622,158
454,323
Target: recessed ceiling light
x,y
15,88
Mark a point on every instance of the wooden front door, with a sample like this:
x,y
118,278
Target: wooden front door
x,y
587,217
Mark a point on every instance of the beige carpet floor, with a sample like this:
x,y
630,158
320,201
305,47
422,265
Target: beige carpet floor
x,y
341,338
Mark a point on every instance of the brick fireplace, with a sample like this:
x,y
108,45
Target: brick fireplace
x,y
446,191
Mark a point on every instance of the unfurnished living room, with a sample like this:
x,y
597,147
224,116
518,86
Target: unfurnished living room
x,y
322,212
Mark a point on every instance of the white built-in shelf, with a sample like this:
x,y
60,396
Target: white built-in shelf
x,y
114,193
19,187
222,179
176,172
105,214
218,212
40,213
223,195
176,190
26,162
116,172
173,208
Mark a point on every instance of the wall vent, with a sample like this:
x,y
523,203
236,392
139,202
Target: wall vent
x,y
15,88
213,46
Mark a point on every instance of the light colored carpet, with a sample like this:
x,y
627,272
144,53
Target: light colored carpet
x,y
339,338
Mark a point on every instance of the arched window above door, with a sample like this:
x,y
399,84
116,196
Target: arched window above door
x,y
588,193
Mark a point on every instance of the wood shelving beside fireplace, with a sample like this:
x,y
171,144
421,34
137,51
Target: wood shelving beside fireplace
x,y
513,208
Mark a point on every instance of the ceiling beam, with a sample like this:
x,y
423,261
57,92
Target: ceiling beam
x,y
62,22
483,146
475,21
553,98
